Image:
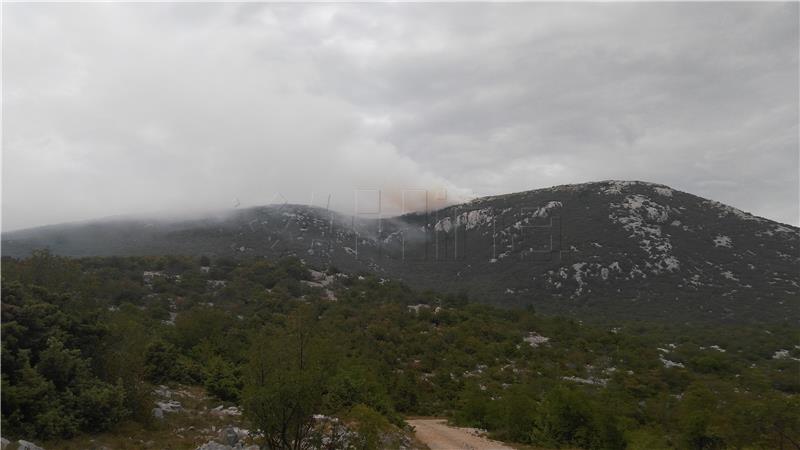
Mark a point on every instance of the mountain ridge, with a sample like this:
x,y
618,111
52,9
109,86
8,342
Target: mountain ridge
x,y
623,248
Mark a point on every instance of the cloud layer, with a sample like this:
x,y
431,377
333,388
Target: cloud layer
x,y
112,109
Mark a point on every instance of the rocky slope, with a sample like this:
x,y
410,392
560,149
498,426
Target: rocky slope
x,y
618,249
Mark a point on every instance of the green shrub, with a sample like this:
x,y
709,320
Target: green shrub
x,y
370,425
221,380
568,417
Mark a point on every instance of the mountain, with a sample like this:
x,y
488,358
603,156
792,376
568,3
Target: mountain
x,y
614,249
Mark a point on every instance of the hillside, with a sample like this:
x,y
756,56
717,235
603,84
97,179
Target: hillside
x,y
615,248
181,353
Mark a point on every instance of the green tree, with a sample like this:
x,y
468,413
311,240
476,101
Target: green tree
x,y
569,417
221,379
164,363
697,412
286,383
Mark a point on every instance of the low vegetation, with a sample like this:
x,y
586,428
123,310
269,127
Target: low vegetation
x,y
85,341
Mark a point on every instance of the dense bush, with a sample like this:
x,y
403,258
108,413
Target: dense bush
x,y
49,389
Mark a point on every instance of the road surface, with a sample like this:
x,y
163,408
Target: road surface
x,y
436,434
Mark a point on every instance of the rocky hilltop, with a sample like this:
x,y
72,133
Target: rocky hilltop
x,y
622,249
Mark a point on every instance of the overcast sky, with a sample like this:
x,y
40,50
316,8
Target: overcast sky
x,y
125,109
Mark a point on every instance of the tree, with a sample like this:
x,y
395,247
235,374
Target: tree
x,y
697,411
221,379
286,383
354,383
163,363
568,416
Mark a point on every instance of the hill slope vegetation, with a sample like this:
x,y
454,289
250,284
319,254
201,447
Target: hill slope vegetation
x,y
615,249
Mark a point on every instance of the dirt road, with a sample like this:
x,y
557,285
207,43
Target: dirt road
x,y
436,434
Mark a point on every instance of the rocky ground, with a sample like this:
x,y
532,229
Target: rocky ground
x,y
186,418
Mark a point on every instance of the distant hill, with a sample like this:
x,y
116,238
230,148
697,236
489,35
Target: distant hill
x,y
617,249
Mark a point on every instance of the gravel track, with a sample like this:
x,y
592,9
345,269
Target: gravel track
x,y
436,434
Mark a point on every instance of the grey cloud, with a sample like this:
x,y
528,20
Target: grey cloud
x,y
113,109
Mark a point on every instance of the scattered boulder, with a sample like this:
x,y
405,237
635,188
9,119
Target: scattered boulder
x,y
228,436
25,445
170,406
229,411
242,433
163,391
4,443
535,339
167,405
212,445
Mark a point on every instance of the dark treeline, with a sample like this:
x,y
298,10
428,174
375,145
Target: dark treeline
x,y
85,340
